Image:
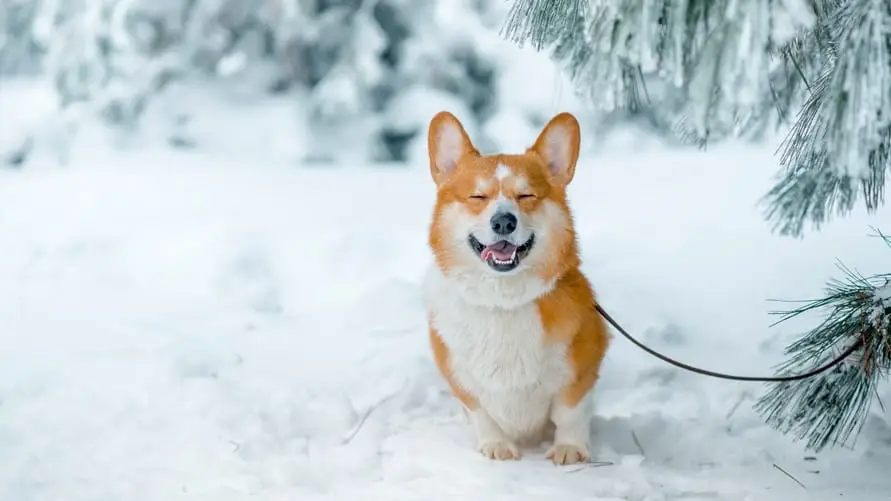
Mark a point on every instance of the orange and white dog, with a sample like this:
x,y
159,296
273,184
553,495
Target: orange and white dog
x,y
512,321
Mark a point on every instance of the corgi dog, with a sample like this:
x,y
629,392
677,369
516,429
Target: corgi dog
x,y
512,323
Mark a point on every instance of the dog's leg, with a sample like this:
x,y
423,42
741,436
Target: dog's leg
x,y
569,408
491,440
571,433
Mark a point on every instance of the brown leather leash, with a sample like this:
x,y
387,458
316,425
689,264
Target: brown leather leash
x,y
774,379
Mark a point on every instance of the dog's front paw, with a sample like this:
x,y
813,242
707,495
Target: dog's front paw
x,y
501,450
562,454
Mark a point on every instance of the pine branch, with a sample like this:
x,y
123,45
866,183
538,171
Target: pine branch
x,y
842,138
831,407
564,26
543,23
811,191
691,49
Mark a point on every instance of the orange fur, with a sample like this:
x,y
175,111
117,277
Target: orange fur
x,y
441,357
566,311
569,317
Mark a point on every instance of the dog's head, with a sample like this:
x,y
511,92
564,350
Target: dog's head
x,y
503,214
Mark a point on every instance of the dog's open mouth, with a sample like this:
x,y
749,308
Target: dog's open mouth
x,y
502,255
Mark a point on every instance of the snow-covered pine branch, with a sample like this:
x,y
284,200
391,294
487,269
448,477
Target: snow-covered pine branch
x,y
713,54
832,407
841,141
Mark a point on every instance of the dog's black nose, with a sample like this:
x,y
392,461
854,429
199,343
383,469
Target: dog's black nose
x,y
503,223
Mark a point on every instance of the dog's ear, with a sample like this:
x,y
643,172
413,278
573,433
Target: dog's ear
x,y
447,143
558,146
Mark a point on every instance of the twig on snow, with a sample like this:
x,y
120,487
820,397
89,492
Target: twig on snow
x,y
638,444
739,402
790,476
592,464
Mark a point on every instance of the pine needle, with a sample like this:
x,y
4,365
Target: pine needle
x,y
829,408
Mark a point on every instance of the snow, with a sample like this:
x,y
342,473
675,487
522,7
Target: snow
x,y
883,294
879,314
193,325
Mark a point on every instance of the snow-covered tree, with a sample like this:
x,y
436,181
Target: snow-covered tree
x,y
19,52
350,63
712,69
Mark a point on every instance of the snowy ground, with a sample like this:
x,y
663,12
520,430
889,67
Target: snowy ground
x,y
180,326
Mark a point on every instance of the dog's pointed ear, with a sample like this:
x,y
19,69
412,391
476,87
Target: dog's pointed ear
x,y
558,146
447,142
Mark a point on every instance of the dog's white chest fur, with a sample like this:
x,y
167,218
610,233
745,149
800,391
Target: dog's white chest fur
x,y
499,354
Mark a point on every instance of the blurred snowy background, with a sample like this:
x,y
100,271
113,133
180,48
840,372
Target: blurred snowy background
x,y
213,221
204,74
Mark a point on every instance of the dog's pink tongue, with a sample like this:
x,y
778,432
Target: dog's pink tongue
x,y
502,251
